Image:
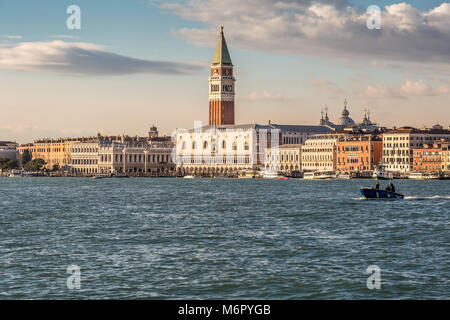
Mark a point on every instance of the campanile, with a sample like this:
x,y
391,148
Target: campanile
x,y
221,86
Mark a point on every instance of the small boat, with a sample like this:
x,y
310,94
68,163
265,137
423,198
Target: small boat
x,y
119,175
29,174
16,174
247,174
381,174
282,178
371,193
344,176
102,176
269,174
423,176
319,175
188,177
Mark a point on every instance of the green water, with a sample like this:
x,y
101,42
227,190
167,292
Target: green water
x,y
221,238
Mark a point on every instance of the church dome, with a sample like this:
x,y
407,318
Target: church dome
x,y
345,120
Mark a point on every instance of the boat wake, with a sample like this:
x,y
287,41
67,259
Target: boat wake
x,y
414,198
426,198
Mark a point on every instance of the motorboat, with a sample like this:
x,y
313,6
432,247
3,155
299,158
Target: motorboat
x,y
16,174
319,175
248,174
269,174
344,176
372,193
423,176
380,174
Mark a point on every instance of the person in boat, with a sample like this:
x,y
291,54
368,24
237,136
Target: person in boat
x,y
377,186
392,187
388,187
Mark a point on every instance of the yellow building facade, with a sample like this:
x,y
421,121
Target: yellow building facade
x,y
55,152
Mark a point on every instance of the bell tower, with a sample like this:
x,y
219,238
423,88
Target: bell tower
x,y
221,86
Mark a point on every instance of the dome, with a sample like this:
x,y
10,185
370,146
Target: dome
x,y
345,120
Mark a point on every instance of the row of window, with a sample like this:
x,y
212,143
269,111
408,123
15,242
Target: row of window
x,y
354,148
225,88
213,145
413,138
152,158
283,157
84,150
307,150
292,140
216,160
317,157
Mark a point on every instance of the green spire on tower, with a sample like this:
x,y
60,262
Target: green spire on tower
x,y
222,56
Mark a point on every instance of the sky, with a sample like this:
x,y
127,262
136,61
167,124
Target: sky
x,y
137,63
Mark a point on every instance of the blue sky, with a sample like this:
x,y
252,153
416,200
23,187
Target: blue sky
x,y
286,70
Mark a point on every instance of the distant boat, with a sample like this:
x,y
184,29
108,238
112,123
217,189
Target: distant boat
x,y
189,177
110,175
119,175
28,174
371,193
423,176
381,174
247,174
344,176
269,174
319,175
16,174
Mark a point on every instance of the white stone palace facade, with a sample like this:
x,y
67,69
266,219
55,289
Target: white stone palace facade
x,y
223,150
130,155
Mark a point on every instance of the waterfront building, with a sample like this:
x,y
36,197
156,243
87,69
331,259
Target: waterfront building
x,y
8,150
430,157
398,145
84,157
445,164
131,155
221,86
135,157
319,152
358,152
286,158
55,152
223,150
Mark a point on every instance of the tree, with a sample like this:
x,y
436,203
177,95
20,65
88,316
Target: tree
x,y
8,164
26,156
34,165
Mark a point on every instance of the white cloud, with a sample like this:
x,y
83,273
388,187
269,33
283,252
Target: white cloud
x,y
320,28
8,36
269,96
64,36
409,88
326,86
83,59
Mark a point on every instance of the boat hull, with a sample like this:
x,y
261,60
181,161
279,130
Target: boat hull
x,y
381,178
370,193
